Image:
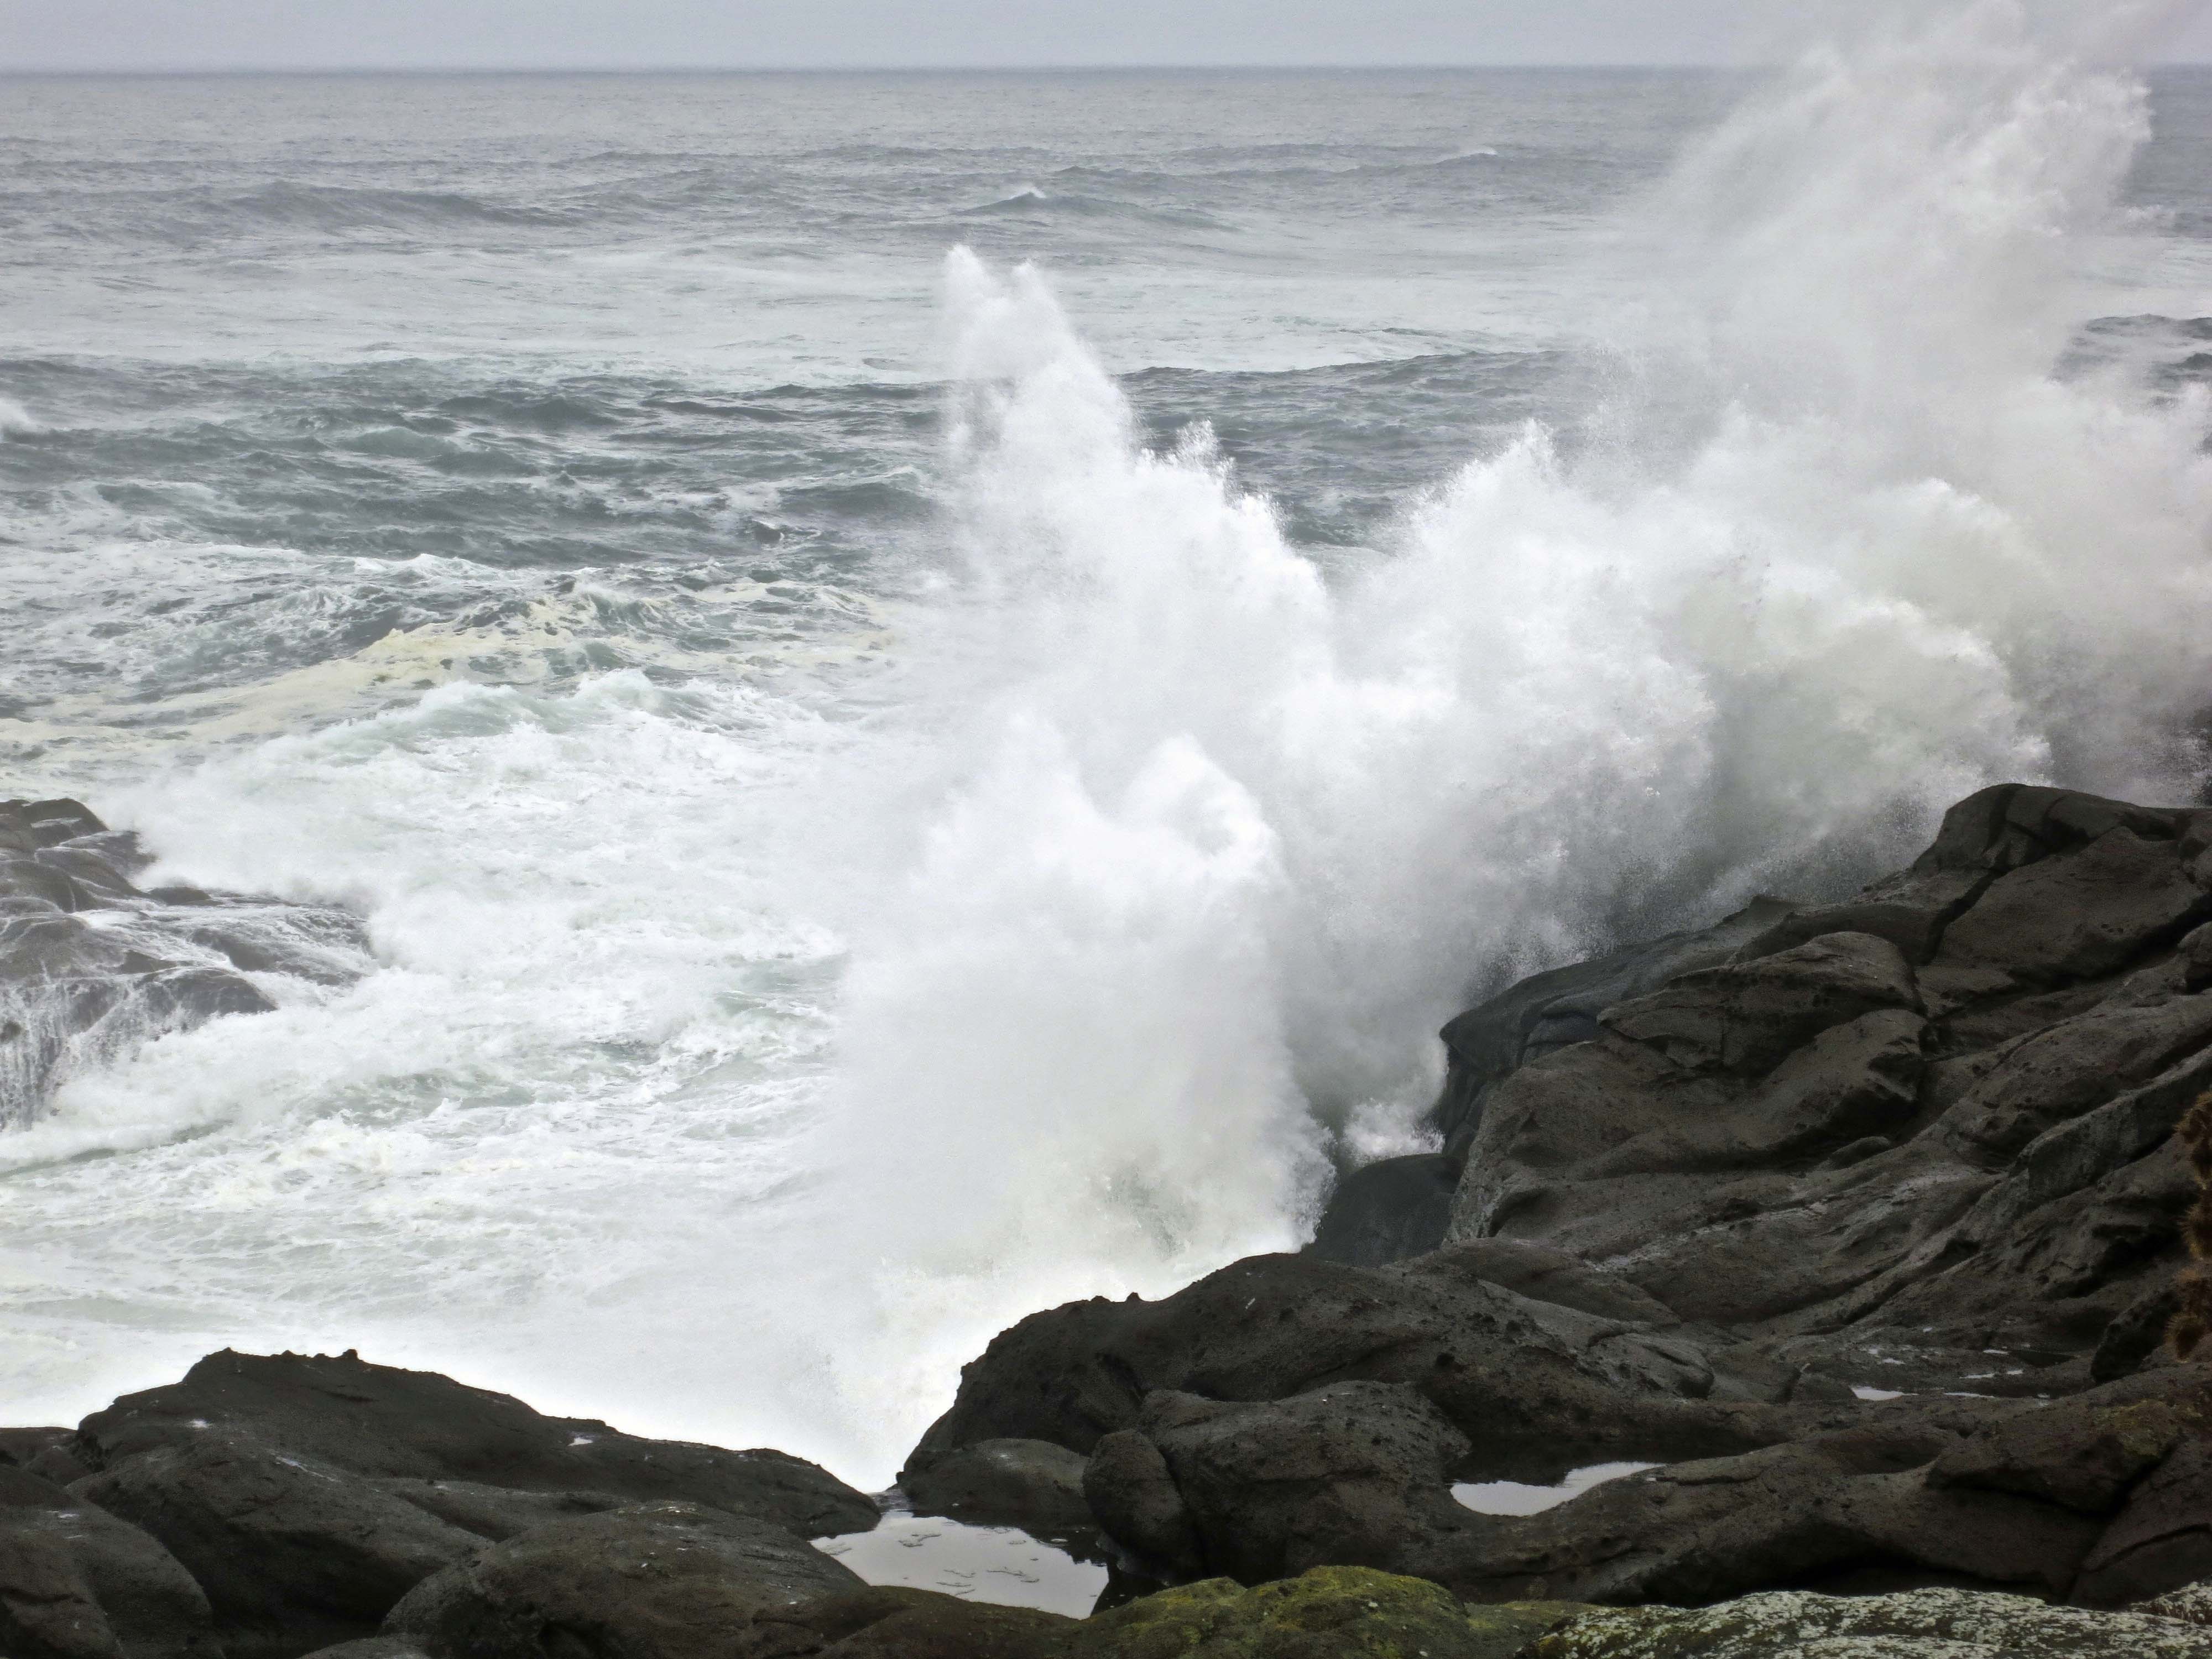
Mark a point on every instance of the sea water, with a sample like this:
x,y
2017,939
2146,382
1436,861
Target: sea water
x,y
930,684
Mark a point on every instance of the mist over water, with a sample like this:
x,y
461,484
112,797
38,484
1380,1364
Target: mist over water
x,y
876,819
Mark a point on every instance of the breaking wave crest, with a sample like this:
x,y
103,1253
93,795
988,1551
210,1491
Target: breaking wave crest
x,y
1219,841
797,962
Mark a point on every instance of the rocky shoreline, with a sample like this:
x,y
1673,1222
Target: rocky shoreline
x,y
1864,1223
92,965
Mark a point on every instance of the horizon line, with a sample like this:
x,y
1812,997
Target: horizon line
x,y
177,71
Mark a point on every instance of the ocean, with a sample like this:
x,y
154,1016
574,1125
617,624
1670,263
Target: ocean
x,y
930,684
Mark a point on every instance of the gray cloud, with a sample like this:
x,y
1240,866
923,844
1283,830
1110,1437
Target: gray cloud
x,y
780,33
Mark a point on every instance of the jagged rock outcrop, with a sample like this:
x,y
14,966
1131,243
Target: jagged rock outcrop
x,y
419,1433
305,1495
1555,1010
1921,1140
91,965
1814,1207
1529,1382
1354,1474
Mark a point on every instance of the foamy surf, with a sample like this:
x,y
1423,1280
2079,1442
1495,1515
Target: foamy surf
x,y
789,974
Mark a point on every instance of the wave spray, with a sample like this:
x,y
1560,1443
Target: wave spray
x,y
1219,841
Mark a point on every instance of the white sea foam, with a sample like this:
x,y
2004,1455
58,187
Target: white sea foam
x,y
14,419
743,1057
1221,844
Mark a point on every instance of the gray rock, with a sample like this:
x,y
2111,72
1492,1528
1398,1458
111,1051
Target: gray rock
x,y
372,1647
1551,1011
1748,1017
75,1582
2161,1539
2191,1604
43,1452
92,967
495,1512
1990,1179
1030,1483
1388,1212
1820,1219
1537,1386
887,1622
291,1551
1814,1512
2084,915
1129,1488
656,1581
1355,1474
384,1423
1923,1624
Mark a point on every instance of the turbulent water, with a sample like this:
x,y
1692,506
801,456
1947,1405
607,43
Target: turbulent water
x,y
891,785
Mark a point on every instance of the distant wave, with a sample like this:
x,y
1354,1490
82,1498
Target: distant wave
x,y
1022,200
15,421
341,207
1032,199
287,205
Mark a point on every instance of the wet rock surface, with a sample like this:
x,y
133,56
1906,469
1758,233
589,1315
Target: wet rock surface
x,y
400,1429
1861,1222
290,1502
92,965
1033,1484
77,1582
1821,1209
654,1581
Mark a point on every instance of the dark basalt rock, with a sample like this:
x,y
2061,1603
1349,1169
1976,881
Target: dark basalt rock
x,y
1351,1474
1531,1383
307,1495
77,1582
1725,1200
901,1623
1030,1483
2059,1501
42,1452
382,1423
1979,1163
291,1551
1388,1212
91,966
657,1581
1553,1009
1129,1487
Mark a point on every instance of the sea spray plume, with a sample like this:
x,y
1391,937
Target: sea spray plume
x,y
1213,845
1887,231
1083,953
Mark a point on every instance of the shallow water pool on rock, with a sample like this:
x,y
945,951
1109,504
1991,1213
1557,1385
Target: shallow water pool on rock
x,y
999,1564
1518,1497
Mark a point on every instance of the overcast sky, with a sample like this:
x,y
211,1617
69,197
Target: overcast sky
x,y
63,35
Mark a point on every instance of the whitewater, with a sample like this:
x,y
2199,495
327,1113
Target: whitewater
x,y
930,685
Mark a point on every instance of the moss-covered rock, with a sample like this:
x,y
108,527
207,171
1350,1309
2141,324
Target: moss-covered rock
x,y
1928,1624
2191,1603
1330,1613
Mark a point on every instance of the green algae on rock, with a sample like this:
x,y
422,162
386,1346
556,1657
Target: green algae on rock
x,y
1924,1624
1329,1613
